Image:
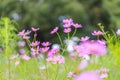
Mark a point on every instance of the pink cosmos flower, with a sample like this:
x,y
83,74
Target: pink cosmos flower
x,y
22,33
54,30
90,47
67,30
14,57
58,59
36,43
53,51
83,39
1,50
26,37
44,50
49,59
118,32
22,51
76,25
70,75
25,57
35,35
104,75
88,76
97,33
35,52
67,23
35,29
17,63
46,44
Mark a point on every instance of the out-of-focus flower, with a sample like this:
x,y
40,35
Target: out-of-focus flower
x,y
17,63
35,52
44,49
67,30
91,47
104,75
97,33
24,34
83,39
73,56
1,50
118,32
35,29
57,59
22,51
83,64
36,43
25,57
26,37
71,75
21,43
14,57
88,76
42,67
76,25
54,30
46,44
67,23
35,35
52,52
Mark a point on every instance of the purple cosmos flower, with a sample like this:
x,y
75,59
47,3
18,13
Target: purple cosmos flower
x,y
83,39
97,33
36,43
46,44
53,51
67,30
88,76
35,29
54,30
76,25
118,32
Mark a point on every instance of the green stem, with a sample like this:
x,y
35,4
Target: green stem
x,y
75,30
68,36
57,70
6,22
60,39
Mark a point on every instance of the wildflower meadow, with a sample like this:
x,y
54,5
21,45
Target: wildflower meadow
x,y
24,57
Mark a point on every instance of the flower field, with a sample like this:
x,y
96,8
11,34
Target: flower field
x,y
24,57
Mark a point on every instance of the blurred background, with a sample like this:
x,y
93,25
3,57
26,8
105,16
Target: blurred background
x,y
47,14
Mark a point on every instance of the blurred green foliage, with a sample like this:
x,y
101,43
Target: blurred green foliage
x,y
47,14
